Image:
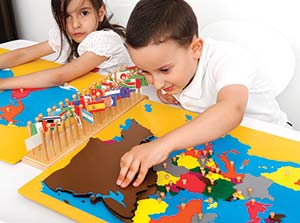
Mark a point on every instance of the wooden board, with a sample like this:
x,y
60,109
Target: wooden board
x,y
12,146
275,158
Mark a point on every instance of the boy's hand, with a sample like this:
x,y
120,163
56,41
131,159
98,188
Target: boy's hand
x,y
138,160
168,99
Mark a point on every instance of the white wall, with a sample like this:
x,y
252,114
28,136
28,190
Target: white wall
x,y
33,19
280,14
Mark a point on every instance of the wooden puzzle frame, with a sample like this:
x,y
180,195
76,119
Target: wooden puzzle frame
x,y
15,136
65,139
160,120
67,136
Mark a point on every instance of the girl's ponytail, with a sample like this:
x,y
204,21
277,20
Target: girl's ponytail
x,y
105,24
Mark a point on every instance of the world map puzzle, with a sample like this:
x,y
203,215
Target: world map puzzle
x,y
217,182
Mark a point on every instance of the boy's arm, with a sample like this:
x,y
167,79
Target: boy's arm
x,y
24,55
55,76
215,122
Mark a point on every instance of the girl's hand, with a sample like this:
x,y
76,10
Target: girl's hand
x,y
168,99
138,160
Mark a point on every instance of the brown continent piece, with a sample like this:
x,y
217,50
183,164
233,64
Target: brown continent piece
x,y
95,170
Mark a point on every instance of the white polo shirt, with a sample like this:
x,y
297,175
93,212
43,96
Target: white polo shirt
x,y
222,64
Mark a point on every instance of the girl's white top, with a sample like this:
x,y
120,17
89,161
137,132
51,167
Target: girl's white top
x,y
102,42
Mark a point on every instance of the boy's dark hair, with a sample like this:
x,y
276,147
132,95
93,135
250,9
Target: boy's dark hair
x,y
155,21
59,11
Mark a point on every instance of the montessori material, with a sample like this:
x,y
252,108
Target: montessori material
x,y
41,125
250,173
93,172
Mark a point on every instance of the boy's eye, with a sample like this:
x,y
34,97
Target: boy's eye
x,y
143,72
164,70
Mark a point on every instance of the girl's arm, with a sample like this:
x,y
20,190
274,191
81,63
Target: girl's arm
x,y
24,55
55,76
215,122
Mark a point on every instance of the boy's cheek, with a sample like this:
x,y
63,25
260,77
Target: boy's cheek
x,y
148,79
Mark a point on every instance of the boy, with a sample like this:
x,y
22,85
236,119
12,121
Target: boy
x,y
214,78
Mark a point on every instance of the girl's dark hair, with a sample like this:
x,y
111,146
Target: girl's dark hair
x,y
59,10
155,21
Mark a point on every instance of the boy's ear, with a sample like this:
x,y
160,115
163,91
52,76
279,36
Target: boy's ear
x,y
196,47
101,13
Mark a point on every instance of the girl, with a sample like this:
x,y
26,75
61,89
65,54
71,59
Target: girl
x,y
85,39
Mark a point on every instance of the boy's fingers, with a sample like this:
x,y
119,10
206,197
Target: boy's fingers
x,y
163,99
133,169
172,100
124,165
167,99
122,175
140,178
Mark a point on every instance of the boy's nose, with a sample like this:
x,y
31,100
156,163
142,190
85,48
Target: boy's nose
x,y
158,82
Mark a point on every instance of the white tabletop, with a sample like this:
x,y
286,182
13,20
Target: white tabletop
x,y
14,208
